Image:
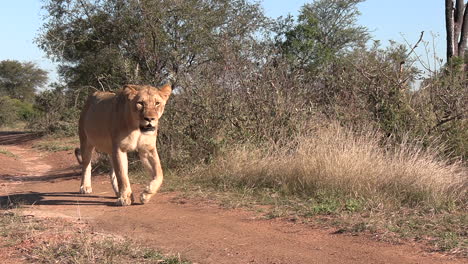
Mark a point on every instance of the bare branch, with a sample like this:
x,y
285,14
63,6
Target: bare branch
x,y
416,45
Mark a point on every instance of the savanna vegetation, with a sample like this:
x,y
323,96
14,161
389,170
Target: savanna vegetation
x,y
46,240
18,84
310,114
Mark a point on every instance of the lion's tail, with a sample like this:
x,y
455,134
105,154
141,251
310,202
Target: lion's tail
x,y
78,156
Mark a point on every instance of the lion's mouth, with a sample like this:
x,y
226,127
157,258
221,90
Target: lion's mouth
x,y
148,128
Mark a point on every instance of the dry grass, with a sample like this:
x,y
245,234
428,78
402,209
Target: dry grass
x,y
354,181
41,240
17,126
55,145
335,162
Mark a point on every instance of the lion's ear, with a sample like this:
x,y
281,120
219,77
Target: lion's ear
x,y
165,90
130,91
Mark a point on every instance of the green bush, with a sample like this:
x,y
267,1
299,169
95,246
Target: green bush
x,y
56,115
25,111
14,110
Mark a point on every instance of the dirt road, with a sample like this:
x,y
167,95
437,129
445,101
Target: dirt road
x,y
202,232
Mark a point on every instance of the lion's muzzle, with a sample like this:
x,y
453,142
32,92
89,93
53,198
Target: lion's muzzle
x,y
148,124
148,128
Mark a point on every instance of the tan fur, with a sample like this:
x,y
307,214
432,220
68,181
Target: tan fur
x,y
119,123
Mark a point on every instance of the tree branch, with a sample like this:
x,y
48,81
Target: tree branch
x,y
417,43
446,120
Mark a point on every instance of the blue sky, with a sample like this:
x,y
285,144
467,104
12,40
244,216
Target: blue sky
x,y
21,20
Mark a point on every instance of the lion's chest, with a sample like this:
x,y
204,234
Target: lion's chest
x,y
136,140
130,142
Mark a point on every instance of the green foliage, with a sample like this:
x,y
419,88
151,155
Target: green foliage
x,y
370,83
55,113
52,146
7,113
106,44
325,29
14,110
26,111
20,80
447,96
231,85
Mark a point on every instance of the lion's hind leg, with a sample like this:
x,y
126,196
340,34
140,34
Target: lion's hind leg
x,y
86,152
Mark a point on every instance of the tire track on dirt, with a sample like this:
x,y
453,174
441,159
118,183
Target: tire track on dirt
x,y
31,165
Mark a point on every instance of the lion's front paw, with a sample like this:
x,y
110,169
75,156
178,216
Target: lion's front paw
x,y
145,197
124,201
86,189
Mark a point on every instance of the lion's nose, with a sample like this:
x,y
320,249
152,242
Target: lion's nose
x,y
149,119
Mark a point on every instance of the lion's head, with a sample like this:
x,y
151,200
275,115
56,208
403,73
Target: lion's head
x,y
147,105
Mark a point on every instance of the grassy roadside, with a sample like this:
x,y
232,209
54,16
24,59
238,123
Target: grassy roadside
x,y
339,179
43,240
347,180
51,144
443,230
19,126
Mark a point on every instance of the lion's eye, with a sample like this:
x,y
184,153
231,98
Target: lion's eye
x,y
157,103
140,105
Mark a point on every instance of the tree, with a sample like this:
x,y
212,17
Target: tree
x,y
107,43
456,24
325,29
20,80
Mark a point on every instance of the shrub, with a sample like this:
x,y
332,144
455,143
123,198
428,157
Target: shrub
x,y
338,162
56,114
14,110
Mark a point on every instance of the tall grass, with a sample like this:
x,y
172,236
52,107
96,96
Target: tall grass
x,y
339,163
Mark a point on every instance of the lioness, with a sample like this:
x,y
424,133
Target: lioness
x,y
118,123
